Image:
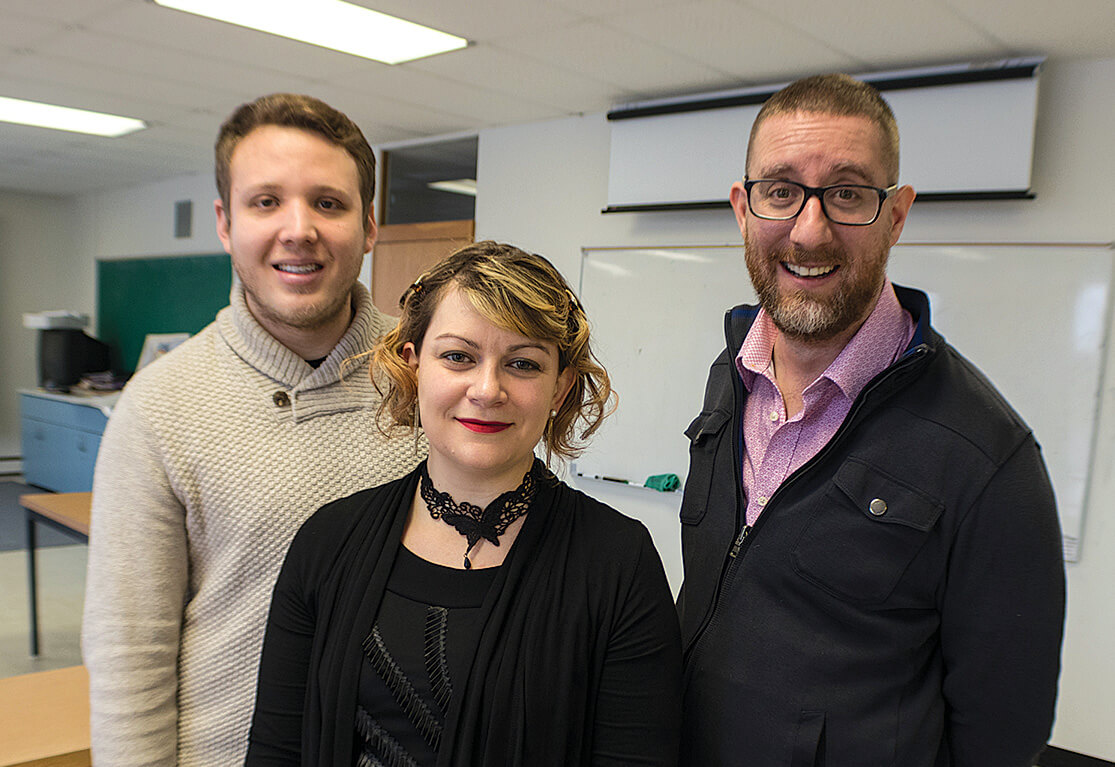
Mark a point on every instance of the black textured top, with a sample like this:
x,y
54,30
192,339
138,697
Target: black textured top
x,y
422,642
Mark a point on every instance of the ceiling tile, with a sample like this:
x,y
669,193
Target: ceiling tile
x,y
920,33
19,31
192,77
61,11
503,71
385,119
603,53
1084,28
130,93
749,45
25,85
478,106
492,20
594,9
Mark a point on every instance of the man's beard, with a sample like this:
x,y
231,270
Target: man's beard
x,y
814,319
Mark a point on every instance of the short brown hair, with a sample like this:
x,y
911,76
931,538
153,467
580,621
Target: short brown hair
x,y
294,110
835,94
517,291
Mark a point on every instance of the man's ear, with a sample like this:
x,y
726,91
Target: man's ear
x,y
903,200
370,230
223,225
738,198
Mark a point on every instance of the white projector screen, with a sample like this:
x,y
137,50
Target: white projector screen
x,y
960,137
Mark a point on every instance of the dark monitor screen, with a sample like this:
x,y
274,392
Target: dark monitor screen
x,y
65,355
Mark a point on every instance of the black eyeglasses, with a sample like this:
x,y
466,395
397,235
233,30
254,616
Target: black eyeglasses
x,y
847,204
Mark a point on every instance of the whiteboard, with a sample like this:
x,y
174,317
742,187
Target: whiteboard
x,y
1033,318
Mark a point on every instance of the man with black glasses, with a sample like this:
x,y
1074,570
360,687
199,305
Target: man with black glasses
x,y
873,570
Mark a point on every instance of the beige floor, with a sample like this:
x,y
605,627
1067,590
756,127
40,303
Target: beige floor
x,y
61,576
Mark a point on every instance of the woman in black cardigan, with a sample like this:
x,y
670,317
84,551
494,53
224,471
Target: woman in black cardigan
x,y
477,612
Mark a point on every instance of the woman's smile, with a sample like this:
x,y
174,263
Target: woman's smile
x,y
483,427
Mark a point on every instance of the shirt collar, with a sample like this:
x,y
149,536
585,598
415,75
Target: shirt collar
x,y
756,354
875,346
878,343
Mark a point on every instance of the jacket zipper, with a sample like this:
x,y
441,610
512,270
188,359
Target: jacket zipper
x,y
734,552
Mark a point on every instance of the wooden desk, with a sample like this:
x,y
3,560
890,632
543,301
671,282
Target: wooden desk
x,y
44,719
66,512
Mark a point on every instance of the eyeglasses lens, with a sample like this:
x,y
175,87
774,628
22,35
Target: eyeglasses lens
x,y
848,204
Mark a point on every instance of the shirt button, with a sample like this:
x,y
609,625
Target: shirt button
x,y
774,415
878,507
762,500
280,399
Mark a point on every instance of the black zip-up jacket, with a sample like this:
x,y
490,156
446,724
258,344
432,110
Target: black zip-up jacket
x,y
900,600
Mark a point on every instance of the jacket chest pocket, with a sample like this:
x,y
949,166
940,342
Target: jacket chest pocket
x,y
705,439
863,537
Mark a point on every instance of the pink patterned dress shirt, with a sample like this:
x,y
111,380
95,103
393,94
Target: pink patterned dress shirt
x,y
775,446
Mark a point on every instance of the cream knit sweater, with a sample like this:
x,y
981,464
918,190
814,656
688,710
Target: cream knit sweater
x,y
211,461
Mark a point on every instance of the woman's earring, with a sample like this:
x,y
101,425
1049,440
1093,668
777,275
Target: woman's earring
x,y
417,426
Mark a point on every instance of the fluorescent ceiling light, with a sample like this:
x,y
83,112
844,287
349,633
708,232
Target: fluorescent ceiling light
x,y
457,186
332,24
65,118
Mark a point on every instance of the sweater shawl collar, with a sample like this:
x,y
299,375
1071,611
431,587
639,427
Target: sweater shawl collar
x,y
310,391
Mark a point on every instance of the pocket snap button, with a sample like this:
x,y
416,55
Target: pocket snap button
x,y
877,507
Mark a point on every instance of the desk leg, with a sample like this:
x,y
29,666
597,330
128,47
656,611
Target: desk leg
x,y
33,595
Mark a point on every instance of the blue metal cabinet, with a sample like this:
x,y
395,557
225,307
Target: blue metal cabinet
x,y
60,436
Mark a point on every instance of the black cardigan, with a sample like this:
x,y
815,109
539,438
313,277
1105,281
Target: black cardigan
x,y
579,661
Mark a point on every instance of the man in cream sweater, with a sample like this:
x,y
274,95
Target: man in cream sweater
x,y
217,452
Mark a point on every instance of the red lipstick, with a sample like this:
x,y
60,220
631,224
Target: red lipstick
x,y
483,427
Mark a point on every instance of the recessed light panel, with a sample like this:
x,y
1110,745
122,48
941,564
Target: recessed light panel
x,y
66,118
457,186
330,24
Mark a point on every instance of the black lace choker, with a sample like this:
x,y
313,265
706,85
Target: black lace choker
x,y
488,523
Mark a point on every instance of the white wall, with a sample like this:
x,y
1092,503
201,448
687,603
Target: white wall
x,y
541,186
38,271
139,221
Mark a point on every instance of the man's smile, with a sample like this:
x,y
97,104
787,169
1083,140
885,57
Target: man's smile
x,y
299,268
809,271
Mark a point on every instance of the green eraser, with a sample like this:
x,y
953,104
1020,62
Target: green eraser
x,y
663,482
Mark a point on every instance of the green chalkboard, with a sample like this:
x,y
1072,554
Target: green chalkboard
x,y
171,294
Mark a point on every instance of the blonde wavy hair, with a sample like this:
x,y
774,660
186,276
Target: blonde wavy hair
x,y
516,291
